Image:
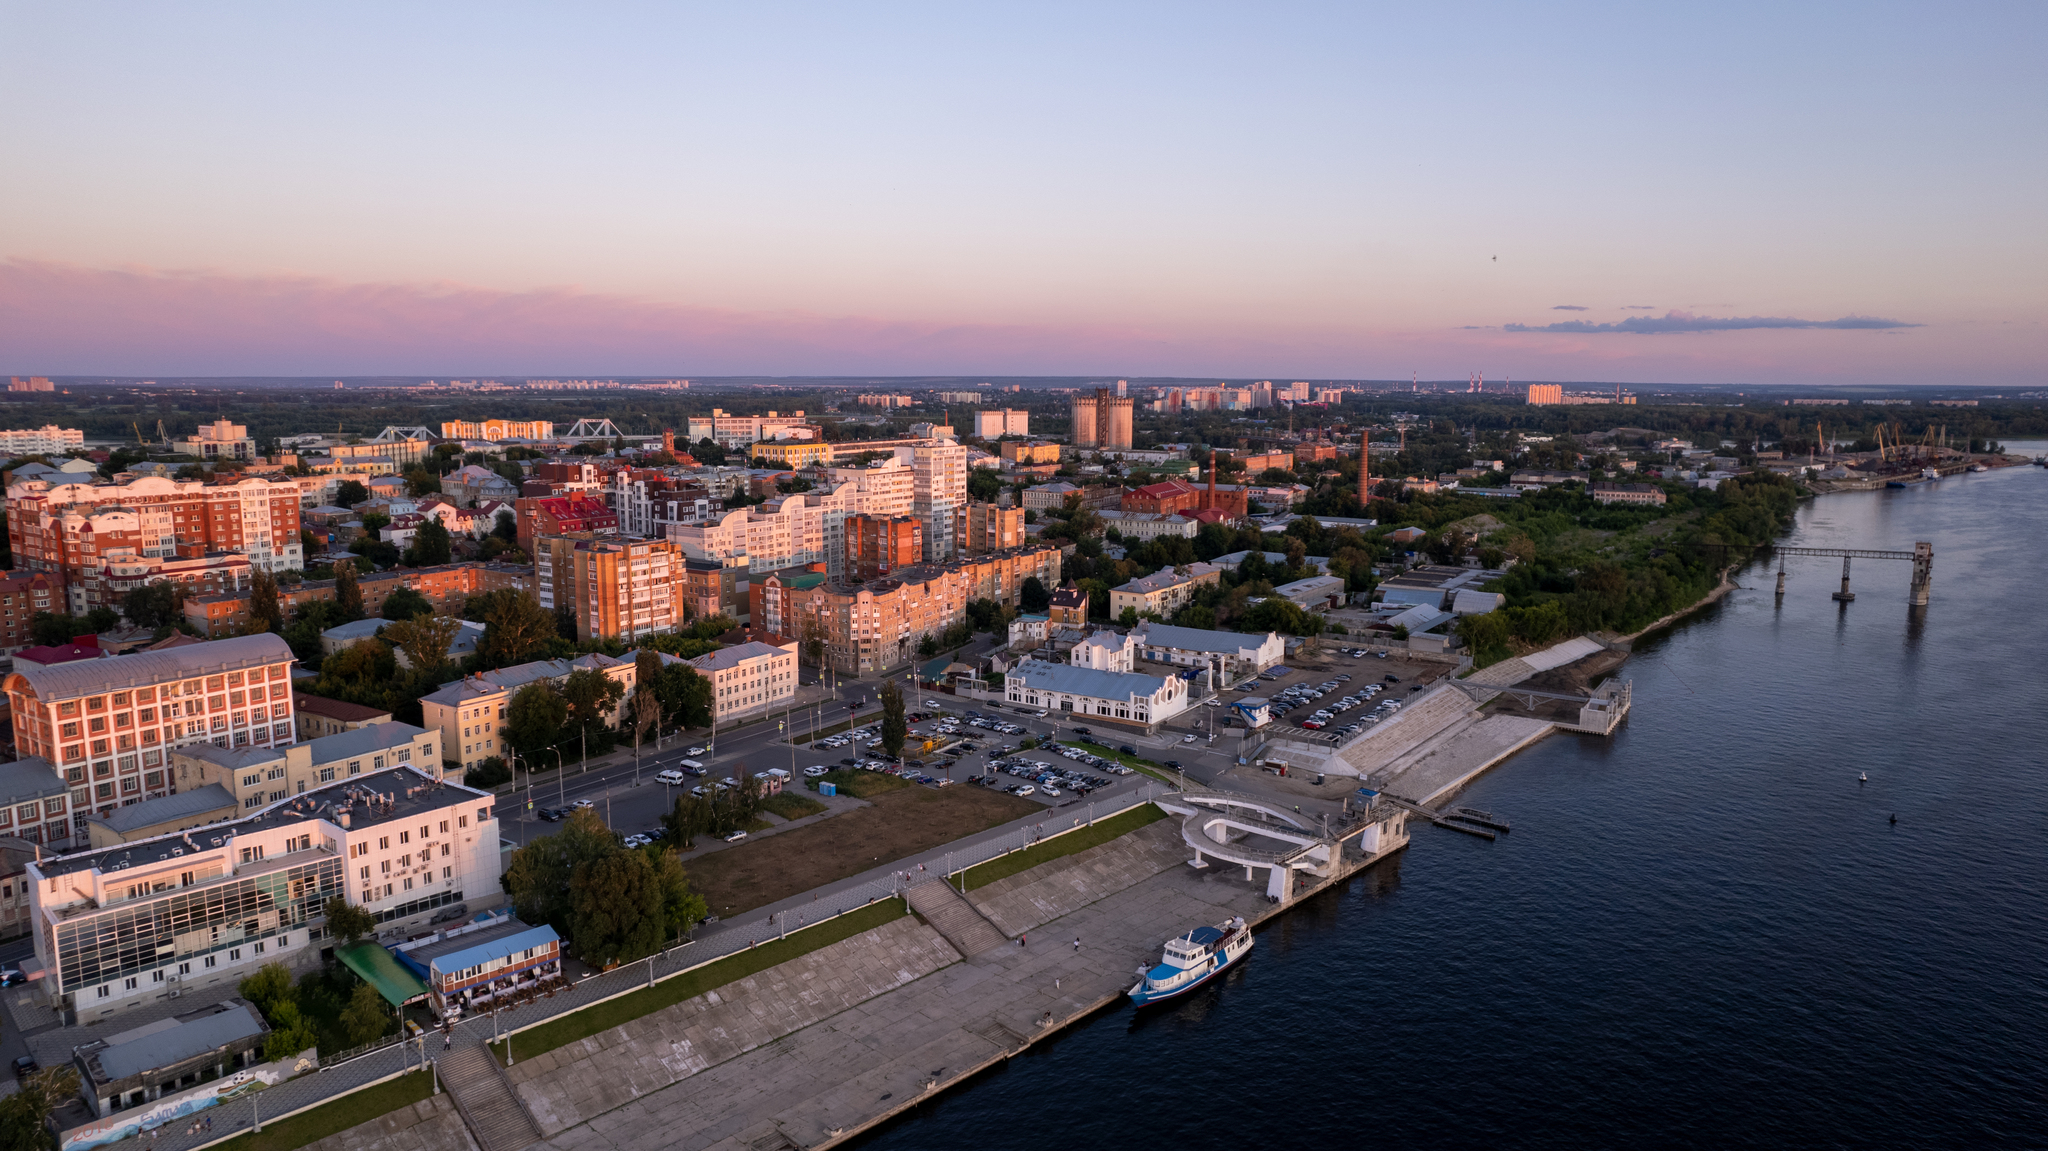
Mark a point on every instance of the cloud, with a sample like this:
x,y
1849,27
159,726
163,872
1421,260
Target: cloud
x,y
1687,322
1639,307
1569,308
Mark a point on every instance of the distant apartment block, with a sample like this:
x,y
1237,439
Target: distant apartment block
x,y
960,397
219,440
32,384
877,545
1546,393
988,528
1002,422
735,432
495,430
615,589
883,400
48,439
1627,494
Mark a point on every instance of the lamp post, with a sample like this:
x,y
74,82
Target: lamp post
x,y
561,778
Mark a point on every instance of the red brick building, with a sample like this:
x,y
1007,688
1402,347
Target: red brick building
x,y
1170,497
22,595
877,545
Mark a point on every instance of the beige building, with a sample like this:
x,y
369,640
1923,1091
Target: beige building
x,y
1628,494
320,716
495,430
1163,592
749,677
1002,422
257,776
219,440
469,714
187,809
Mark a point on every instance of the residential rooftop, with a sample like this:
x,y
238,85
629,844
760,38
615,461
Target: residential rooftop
x,y
179,805
149,668
1199,639
1042,675
377,797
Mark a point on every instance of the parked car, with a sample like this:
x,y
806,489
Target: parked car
x,y
1393,679
736,836
551,814
25,1067
1127,749
815,772
1052,791
695,751
455,912
1172,765
582,804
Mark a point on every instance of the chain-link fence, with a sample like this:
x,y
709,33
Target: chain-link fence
x,y
365,1067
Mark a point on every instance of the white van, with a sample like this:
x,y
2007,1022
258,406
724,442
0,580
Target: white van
x,y
691,765
670,776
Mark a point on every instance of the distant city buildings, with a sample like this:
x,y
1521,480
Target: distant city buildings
x,y
1000,422
219,440
495,430
48,439
1101,420
32,384
1546,393
884,400
738,432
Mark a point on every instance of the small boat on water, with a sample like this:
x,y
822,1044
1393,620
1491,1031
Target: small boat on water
x,y
1192,960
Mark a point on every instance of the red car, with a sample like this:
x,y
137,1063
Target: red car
x,y
1312,724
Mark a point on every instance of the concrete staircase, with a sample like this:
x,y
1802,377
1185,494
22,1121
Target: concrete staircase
x,y
963,925
484,1097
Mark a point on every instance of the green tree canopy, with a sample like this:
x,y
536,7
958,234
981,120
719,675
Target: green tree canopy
x,y
366,1016
894,729
424,639
534,718
431,545
516,628
266,613
347,921
350,493
618,913
155,604
686,695
592,696
540,874
405,603
984,485
348,594
1033,595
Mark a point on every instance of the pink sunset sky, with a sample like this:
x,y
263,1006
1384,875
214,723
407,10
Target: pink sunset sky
x,y
1806,195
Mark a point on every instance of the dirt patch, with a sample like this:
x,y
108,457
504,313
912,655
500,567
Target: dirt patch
x,y
1577,677
892,826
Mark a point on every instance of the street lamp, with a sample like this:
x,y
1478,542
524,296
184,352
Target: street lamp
x,y
561,778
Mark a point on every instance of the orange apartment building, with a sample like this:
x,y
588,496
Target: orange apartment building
x,y
877,625
22,595
1029,452
571,514
877,545
446,586
988,528
616,589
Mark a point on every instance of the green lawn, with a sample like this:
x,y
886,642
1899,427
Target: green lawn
x,y
609,1014
790,805
1078,840
336,1116
861,784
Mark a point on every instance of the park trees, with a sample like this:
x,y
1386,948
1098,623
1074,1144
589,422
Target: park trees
x,y
405,603
156,604
685,695
365,1016
430,544
350,493
424,639
265,611
592,697
516,628
613,903
1033,595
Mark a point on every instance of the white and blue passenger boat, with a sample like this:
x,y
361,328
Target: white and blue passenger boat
x,y
1192,960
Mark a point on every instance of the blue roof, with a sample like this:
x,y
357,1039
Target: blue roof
x,y
498,948
1205,935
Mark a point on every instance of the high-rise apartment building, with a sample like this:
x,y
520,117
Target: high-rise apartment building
x,y
939,488
988,528
72,529
878,545
998,422
1102,420
1546,393
48,439
32,384
960,397
615,589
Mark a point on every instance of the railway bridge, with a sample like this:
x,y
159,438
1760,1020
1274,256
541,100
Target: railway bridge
x,y
1921,557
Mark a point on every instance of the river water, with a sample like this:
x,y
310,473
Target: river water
x,y
1704,931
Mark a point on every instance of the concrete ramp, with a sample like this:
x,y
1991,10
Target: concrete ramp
x,y
949,912
1422,719
1448,764
1058,887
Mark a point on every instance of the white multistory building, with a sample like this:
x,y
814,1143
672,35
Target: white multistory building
x,y
939,492
47,439
808,527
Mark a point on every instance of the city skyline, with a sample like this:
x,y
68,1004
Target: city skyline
x,y
1738,196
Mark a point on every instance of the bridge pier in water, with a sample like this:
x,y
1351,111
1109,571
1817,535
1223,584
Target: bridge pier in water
x,y
1845,595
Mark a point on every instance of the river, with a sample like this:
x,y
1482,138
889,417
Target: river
x,y
1704,931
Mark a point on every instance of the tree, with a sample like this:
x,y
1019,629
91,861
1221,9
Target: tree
x,y
681,908
534,718
984,485
374,522
155,604
265,613
1485,636
290,1033
618,909
690,815
540,875
430,544
350,493
405,603
591,696
359,673
1276,614
1033,595
348,921
1128,617
685,695
420,481
270,985
927,647
348,594
424,639
365,1016
516,629
647,709
894,729
25,1115
505,526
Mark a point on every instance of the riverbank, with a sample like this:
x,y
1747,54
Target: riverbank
x,y
1727,584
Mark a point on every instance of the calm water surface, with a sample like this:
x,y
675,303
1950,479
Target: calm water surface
x,y
1703,931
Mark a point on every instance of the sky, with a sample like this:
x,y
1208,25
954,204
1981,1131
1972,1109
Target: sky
x,y
1785,194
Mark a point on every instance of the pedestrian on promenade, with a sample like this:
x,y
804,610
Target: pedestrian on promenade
x,y
1077,943
1024,939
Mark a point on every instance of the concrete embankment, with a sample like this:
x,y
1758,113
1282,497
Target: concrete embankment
x,y
811,1052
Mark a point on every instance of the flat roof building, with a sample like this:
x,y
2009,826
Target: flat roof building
x,y
135,1066
1122,698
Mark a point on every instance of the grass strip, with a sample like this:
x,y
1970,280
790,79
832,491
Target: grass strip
x,y
604,1016
1078,840
861,784
1149,767
336,1116
790,805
